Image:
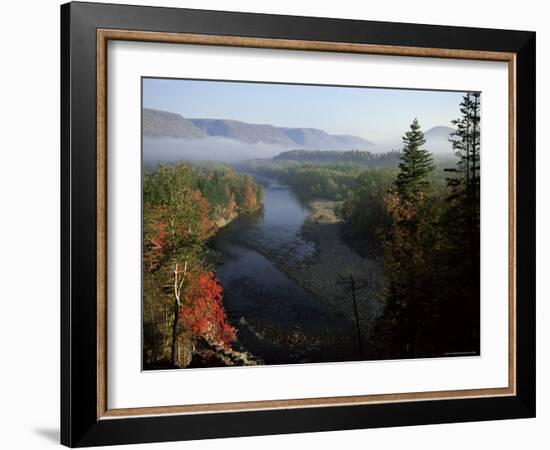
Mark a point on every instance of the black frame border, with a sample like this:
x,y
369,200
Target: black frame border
x,y
79,423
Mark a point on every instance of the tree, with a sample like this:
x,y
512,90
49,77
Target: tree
x,y
410,311
364,206
416,163
460,224
465,181
174,231
466,138
250,199
182,300
203,313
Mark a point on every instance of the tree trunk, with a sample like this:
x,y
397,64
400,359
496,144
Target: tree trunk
x,y
178,284
175,332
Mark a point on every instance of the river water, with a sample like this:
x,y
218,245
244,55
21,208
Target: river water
x,y
278,321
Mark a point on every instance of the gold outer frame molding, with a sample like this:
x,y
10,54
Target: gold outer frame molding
x,y
105,35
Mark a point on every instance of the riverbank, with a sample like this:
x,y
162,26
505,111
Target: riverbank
x,y
328,273
278,320
286,273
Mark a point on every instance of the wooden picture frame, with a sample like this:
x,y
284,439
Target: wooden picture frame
x,y
86,418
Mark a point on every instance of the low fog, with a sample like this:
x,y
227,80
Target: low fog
x,y
434,144
165,149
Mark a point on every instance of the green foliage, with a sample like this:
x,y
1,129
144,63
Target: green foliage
x,y
466,139
364,206
408,243
168,192
430,245
389,159
416,163
312,180
460,222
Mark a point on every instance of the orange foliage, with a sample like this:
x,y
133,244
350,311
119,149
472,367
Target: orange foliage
x,y
250,198
206,226
404,249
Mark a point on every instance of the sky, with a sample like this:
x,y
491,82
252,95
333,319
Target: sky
x,y
379,115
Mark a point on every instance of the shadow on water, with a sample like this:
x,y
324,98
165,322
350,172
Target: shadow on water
x,y
278,321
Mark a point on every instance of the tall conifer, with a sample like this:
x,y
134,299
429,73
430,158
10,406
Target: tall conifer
x,y
416,163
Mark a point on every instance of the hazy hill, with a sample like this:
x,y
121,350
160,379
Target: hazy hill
x,y
162,123
437,139
242,131
440,132
313,138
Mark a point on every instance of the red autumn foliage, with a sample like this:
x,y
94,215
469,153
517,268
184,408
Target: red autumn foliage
x,y
202,311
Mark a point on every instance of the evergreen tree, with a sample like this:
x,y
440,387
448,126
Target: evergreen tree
x,y
416,163
460,277
410,312
463,202
466,143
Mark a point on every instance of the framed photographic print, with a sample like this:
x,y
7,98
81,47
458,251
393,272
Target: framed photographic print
x,y
276,224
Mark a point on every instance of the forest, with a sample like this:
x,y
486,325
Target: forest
x,y
429,242
311,175
369,159
419,214
184,320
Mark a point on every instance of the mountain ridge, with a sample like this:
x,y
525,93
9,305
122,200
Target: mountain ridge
x,y
164,123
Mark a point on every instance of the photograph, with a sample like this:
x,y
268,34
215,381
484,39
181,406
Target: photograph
x,y
291,223
281,221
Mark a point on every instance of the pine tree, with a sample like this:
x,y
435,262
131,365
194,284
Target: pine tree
x,y
466,137
466,143
410,311
464,184
416,163
460,222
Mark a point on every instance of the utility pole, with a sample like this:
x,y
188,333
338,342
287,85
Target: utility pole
x,y
359,340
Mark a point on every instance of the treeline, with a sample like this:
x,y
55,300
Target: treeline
x,y
331,175
184,320
429,243
338,181
389,159
335,175
311,180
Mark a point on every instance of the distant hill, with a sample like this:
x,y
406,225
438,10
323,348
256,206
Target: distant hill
x,y
440,132
437,140
242,131
313,138
389,159
162,123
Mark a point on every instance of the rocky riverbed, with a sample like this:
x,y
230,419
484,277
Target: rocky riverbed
x,y
287,277
328,273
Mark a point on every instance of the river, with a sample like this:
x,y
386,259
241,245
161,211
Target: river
x,y
278,321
